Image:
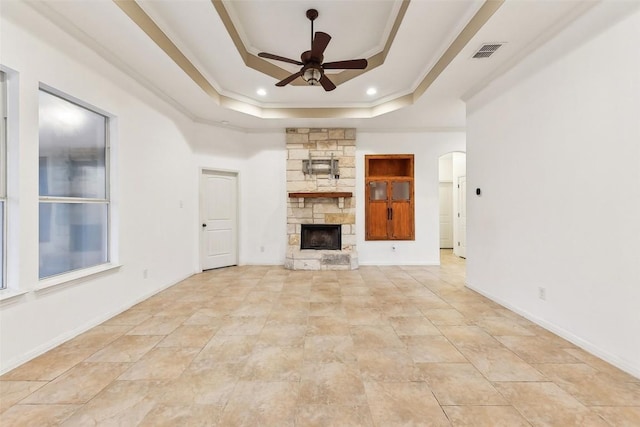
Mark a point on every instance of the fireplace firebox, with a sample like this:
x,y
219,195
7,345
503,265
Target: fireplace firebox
x,y
321,236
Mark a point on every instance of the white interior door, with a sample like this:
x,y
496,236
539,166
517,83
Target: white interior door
x,y
461,248
218,212
446,215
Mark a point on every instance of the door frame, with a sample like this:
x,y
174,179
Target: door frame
x,y
451,215
204,171
460,235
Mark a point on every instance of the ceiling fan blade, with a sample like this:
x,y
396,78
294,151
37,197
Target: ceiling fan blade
x,y
279,58
289,79
352,64
326,83
320,42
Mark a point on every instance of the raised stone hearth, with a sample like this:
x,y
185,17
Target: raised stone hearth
x,y
310,259
307,204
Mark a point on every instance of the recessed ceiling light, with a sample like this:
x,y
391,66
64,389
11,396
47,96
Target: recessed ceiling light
x,y
372,91
261,92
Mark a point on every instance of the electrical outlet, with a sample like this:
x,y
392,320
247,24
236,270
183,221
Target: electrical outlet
x,y
145,273
261,248
542,293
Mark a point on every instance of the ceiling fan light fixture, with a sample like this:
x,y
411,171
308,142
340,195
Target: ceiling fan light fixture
x,y
312,76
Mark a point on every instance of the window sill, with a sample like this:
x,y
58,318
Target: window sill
x,y
75,276
8,293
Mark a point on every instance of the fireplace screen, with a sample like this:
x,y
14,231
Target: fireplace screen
x,y
321,236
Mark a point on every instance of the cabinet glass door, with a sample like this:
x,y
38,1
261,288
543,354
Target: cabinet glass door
x,y
378,190
400,190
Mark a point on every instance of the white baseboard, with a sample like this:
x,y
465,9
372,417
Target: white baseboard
x,y
563,333
264,264
60,339
400,264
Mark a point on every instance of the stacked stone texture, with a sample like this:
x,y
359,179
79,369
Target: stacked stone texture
x,y
321,144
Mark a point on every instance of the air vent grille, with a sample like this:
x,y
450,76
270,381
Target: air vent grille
x,y
486,50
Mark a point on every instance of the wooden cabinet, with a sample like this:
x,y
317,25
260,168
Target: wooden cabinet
x,y
389,209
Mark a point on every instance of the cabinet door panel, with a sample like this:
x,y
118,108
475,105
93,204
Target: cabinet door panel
x,y
377,222
401,221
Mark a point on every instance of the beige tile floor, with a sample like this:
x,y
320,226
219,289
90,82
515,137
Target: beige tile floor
x,y
264,346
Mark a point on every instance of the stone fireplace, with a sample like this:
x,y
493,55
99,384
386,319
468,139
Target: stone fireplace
x,y
321,204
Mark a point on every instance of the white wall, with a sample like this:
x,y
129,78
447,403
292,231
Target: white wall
x,y
152,149
427,149
260,160
557,156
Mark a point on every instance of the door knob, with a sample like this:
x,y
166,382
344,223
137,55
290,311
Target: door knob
x,y
204,225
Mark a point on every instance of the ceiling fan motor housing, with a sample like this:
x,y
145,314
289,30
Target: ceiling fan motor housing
x,y
306,57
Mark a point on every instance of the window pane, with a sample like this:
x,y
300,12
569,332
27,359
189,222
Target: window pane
x,y
72,149
72,236
2,244
400,191
378,190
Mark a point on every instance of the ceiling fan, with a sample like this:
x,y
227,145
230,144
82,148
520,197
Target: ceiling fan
x,y
312,70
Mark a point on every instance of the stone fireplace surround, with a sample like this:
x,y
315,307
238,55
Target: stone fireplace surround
x,y
309,207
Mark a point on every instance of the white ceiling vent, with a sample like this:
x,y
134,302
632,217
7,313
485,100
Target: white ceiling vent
x,y
486,50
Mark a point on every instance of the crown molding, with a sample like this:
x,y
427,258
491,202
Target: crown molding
x,y
155,33
361,129
87,40
289,113
133,10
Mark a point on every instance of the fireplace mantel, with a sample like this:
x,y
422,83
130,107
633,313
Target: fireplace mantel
x,y
340,195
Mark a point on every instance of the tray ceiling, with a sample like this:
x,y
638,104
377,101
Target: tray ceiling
x,y
200,55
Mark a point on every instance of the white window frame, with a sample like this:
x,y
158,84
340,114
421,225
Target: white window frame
x,y
4,136
112,252
10,186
